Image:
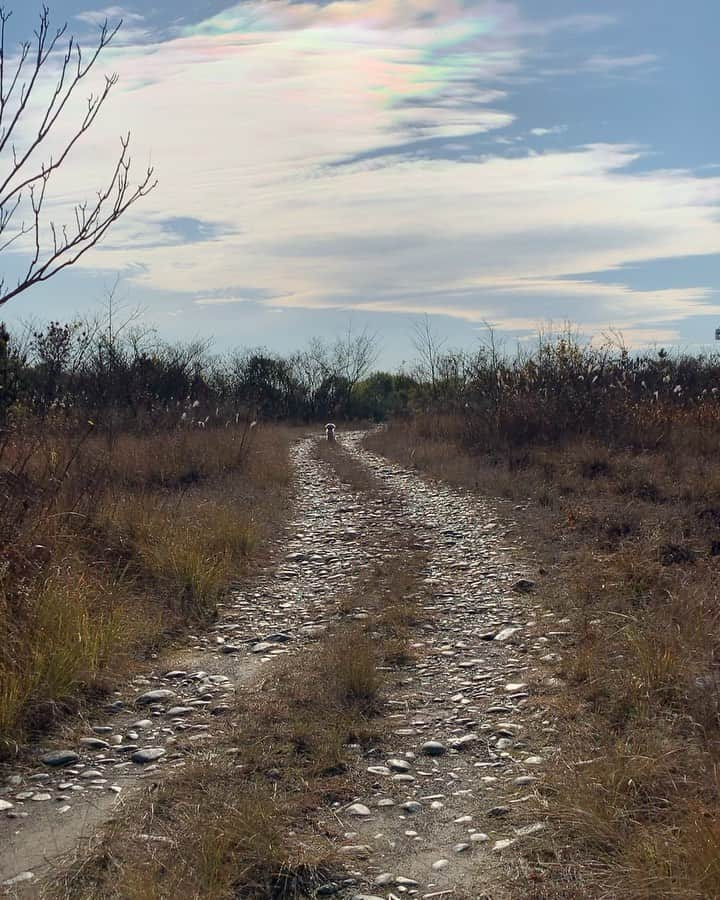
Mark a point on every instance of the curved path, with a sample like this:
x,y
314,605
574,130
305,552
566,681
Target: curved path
x,y
425,825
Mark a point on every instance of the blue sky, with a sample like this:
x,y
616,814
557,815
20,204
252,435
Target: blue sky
x,y
512,163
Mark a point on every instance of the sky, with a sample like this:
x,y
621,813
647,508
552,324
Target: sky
x,y
514,164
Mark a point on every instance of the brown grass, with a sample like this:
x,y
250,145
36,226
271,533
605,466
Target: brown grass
x,y
212,832
108,551
356,476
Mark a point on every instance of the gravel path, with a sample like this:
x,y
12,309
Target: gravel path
x,y
441,818
447,808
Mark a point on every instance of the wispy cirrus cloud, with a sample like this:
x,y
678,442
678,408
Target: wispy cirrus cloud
x,y
603,63
221,301
109,14
543,132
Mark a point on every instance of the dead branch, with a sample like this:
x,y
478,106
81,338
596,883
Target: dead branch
x,y
24,187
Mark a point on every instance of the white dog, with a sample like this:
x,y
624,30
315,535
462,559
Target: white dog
x,y
330,431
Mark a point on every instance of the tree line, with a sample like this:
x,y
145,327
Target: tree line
x,y
122,374
116,373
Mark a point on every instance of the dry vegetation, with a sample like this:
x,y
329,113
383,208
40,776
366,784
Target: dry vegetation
x,y
109,545
255,818
346,467
628,524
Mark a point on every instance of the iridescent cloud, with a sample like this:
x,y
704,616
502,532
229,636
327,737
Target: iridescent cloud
x,y
249,113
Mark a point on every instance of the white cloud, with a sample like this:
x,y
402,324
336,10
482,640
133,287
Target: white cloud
x,y
542,132
247,116
220,301
613,63
108,14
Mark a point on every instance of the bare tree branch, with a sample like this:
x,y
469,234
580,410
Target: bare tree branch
x,y
24,186
429,347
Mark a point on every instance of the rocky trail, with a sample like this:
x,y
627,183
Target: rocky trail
x,y
444,810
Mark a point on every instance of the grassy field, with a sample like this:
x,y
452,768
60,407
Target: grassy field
x,y
108,548
630,537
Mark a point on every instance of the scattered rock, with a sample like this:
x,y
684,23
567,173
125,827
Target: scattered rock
x,y
148,755
411,806
313,631
357,851
503,844
22,878
94,743
527,830
179,711
143,724
58,758
462,743
524,586
433,748
505,634
358,809
154,697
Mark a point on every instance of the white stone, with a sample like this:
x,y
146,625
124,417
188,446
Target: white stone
x,y
504,844
358,809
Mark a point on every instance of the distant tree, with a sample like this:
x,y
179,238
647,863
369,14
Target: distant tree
x,y
428,345
265,384
381,395
28,163
353,355
330,372
10,367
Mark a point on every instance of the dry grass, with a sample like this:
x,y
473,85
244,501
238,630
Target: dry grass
x,y
631,541
107,551
196,838
356,476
